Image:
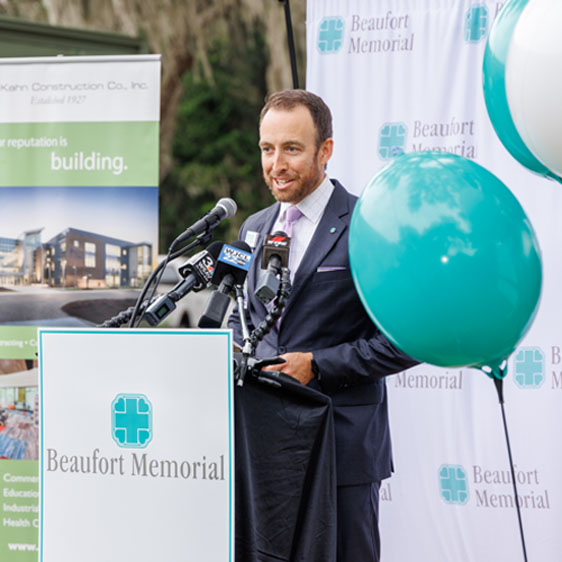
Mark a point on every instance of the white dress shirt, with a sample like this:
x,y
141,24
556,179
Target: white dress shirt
x,y
312,207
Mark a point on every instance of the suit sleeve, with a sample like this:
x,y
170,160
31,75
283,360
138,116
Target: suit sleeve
x,y
360,362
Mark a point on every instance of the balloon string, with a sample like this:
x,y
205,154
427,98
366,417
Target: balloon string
x,y
499,387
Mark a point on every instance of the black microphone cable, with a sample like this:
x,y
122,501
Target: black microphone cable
x,y
156,275
224,209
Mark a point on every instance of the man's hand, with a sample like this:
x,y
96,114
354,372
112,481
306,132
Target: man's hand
x,y
297,365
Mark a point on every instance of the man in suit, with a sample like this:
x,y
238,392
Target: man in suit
x,y
325,337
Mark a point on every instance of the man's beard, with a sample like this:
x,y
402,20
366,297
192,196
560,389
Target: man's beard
x,y
305,186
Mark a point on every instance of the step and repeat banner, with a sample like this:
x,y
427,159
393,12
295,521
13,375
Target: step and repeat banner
x,y
78,233
406,76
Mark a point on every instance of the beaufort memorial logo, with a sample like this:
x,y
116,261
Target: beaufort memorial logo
x,y
392,140
529,367
453,484
131,421
330,35
476,23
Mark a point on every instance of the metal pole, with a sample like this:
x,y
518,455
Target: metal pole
x,y
291,42
499,388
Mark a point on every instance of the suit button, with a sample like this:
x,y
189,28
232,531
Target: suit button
x,y
282,349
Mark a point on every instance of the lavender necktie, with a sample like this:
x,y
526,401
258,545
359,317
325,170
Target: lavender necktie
x,y
292,215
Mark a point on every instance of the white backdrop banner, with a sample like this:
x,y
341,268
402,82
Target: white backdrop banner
x,y
403,76
136,445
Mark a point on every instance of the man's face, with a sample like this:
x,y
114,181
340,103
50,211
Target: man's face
x,y
293,166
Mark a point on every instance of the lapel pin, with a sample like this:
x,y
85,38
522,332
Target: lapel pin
x,y
333,229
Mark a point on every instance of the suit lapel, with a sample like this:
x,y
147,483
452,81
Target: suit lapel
x,y
331,227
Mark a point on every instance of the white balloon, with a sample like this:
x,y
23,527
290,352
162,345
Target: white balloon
x,y
533,79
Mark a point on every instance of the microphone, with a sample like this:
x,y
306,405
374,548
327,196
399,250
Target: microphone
x,y
224,209
231,269
197,273
235,260
275,256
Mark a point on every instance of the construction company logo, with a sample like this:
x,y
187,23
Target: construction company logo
x,y
330,35
529,367
392,140
476,22
453,484
131,421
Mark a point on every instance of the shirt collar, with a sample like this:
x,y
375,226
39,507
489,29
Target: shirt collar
x,y
313,205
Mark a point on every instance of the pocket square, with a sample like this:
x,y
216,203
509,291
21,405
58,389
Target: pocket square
x,y
324,268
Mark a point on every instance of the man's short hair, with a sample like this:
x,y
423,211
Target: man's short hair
x,y
289,99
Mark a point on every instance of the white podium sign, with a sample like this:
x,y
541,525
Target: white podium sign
x,y
136,445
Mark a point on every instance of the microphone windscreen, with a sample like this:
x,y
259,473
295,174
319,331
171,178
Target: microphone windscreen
x,y
276,244
235,259
229,205
207,258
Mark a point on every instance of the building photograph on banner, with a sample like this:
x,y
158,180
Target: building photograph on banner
x,y
72,255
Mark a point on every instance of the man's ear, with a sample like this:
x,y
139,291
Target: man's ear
x,y
325,151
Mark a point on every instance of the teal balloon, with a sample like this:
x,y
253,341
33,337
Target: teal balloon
x,y
495,94
445,261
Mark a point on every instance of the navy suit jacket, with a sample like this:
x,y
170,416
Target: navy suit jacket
x,y
324,315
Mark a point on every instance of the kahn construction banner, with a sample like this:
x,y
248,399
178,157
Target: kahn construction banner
x,y
78,232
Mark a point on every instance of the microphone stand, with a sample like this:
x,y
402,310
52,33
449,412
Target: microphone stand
x,y
275,313
247,348
250,341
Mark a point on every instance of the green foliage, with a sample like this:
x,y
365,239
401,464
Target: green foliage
x,y
216,141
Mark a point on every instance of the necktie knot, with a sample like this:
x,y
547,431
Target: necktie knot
x,y
292,215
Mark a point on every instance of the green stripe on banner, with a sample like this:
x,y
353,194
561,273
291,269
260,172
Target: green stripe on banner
x,y
86,154
18,342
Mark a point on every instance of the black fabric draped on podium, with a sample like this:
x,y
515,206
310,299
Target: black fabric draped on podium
x,y
285,472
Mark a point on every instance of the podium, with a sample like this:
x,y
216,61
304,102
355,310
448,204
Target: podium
x,y
138,459
136,445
